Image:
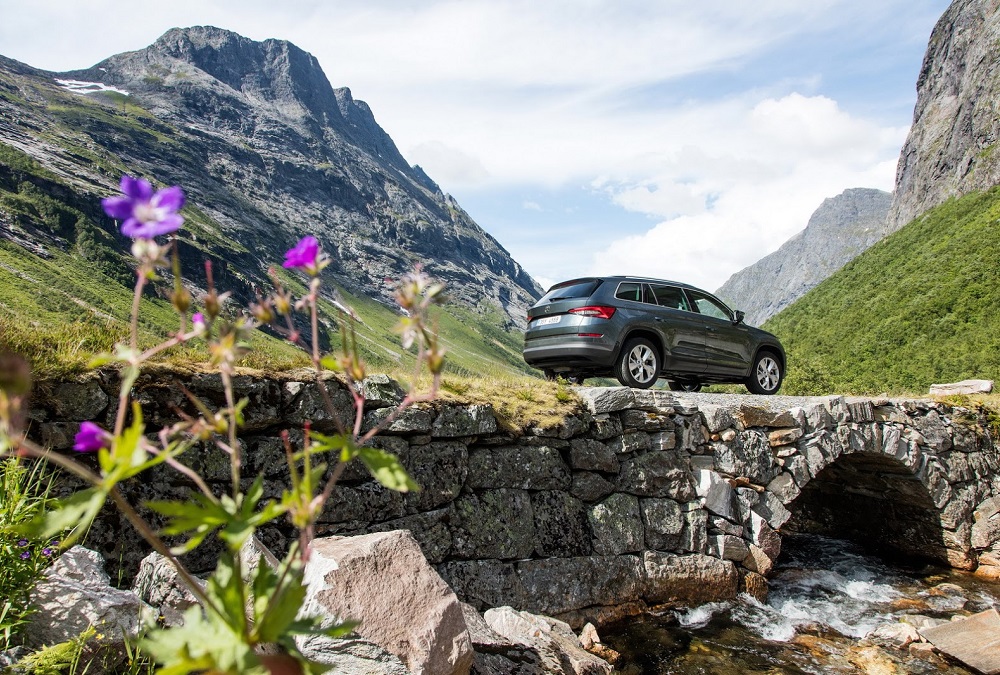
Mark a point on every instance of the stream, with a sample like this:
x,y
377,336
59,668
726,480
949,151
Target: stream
x,y
825,599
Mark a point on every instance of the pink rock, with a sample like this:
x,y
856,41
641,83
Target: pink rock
x,y
384,581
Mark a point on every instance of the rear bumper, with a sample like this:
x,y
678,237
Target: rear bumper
x,y
562,353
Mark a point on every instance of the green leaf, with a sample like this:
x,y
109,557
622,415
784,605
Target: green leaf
x,y
330,362
387,470
277,606
202,643
102,359
75,513
228,589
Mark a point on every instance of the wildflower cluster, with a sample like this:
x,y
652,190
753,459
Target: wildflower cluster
x,y
240,610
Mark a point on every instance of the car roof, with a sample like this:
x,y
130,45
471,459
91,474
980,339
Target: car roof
x,y
625,277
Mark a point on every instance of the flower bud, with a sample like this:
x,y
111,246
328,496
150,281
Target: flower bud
x,y
181,299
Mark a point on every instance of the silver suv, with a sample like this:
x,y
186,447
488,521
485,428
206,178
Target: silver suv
x,y
638,330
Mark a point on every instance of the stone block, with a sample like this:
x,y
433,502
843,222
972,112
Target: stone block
x,y
772,510
784,487
410,421
158,584
381,391
654,400
761,534
657,474
784,436
720,525
716,418
630,442
471,420
561,528
986,524
590,487
749,455
493,524
663,522
748,416
643,420
727,547
74,594
429,529
757,560
694,537
606,399
663,441
616,525
80,400
440,469
484,583
560,585
691,579
590,455
605,426
716,494
519,466
966,387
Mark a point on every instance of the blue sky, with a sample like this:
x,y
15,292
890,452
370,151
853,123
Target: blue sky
x,y
669,138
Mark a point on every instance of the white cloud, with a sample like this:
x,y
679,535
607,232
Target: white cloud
x,y
766,167
612,94
531,206
448,164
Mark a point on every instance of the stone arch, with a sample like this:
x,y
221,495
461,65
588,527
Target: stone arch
x,y
889,488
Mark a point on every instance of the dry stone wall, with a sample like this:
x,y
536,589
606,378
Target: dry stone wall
x,y
635,500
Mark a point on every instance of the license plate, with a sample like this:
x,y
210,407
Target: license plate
x,y
546,320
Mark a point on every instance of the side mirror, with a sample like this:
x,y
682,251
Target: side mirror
x,y
739,317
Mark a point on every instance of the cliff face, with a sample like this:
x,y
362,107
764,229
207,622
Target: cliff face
x,y
268,151
952,147
840,229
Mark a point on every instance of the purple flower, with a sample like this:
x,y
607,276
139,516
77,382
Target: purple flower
x,y
47,552
22,542
25,555
91,438
304,255
145,214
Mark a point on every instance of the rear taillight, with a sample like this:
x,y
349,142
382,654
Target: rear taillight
x,y
596,311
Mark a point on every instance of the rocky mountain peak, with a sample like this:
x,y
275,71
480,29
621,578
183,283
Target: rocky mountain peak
x,y
952,148
840,229
271,151
272,69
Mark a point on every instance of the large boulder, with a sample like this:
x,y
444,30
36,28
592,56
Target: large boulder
x,y
384,581
75,594
158,584
553,640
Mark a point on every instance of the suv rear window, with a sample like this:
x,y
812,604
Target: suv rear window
x,y
574,289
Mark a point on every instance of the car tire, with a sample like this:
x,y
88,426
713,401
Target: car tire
x,y
765,375
690,386
638,364
549,374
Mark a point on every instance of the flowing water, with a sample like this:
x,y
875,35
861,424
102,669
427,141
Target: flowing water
x,y
826,597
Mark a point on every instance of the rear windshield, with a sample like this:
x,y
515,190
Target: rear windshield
x,y
573,289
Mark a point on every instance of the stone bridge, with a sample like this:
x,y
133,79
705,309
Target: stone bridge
x,y
639,498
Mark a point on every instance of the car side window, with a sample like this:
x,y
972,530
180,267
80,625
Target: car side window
x,y
671,296
629,291
710,306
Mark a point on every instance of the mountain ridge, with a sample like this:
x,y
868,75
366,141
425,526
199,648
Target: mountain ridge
x,y
271,152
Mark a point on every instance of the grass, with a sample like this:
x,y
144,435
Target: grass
x,y
917,308
23,493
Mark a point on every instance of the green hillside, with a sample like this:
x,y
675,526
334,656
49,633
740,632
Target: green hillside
x,y
66,289
920,307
